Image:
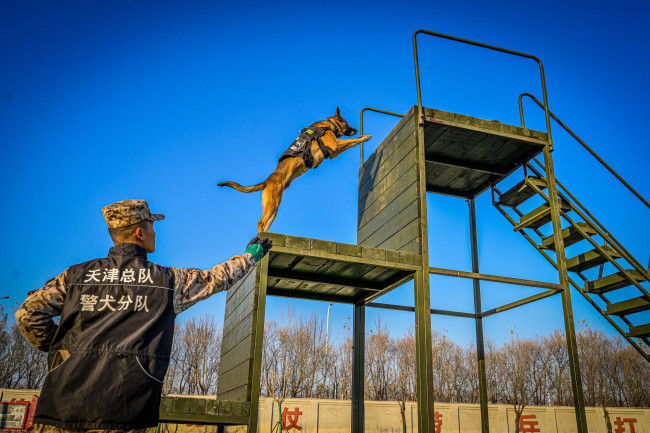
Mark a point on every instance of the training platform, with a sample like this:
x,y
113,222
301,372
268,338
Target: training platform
x,y
464,155
438,152
295,267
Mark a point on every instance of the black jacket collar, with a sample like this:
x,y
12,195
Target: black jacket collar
x,y
129,250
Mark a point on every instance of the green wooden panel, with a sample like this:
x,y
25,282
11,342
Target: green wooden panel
x,y
239,394
234,408
410,258
372,176
401,130
238,333
297,242
404,174
277,238
392,256
404,236
368,210
197,406
236,295
282,261
398,214
348,250
389,211
399,174
319,245
181,404
310,264
236,355
284,284
373,253
414,247
235,378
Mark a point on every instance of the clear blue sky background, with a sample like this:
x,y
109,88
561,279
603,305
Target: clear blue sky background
x,y
107,100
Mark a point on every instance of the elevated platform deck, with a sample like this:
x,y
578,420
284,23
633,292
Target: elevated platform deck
x,y
464,155
335,272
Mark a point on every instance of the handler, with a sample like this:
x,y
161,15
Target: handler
x,y
110,351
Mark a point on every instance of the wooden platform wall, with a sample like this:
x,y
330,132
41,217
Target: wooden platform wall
x,y
241,345
389,196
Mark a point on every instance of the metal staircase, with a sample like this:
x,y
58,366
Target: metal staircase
x,y
602,252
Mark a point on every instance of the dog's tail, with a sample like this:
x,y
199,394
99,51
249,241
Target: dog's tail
x,y
238,187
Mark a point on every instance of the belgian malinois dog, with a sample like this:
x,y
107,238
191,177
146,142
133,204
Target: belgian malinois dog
x,y
291,167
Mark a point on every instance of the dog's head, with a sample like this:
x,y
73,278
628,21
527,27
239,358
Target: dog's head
x,y
342,125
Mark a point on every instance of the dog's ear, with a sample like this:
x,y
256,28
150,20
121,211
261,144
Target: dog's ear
x,y
338,112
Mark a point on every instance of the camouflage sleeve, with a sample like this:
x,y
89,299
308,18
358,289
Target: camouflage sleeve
x,y
194,285
34,316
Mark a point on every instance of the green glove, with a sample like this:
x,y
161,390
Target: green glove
x,y
258,248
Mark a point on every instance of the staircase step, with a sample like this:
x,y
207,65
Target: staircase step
x,y
540,216
640,331
630,306
521,192
613,282
590,259
571,236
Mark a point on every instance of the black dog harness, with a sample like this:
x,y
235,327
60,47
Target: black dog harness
x,y
301,146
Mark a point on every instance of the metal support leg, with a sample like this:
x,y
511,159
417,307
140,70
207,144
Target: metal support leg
x,y
358,378
480,347
569,325
259,342
423,353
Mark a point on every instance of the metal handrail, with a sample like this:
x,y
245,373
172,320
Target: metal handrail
x,y
491,47
604,233
576,286
602,230
579,140
376,110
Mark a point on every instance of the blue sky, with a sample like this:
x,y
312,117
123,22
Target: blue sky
x,y
107,100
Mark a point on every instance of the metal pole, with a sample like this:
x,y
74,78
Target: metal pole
x,y
327,330
480,347
569,325
358,357
490,47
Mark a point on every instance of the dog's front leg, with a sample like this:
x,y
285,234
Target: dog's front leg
x,y
340,146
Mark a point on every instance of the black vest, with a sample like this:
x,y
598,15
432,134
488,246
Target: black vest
x,y
117,324
301,146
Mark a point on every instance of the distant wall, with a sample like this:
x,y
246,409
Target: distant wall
x,y
333,416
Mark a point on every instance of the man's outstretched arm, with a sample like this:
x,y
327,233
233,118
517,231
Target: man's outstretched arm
x,y
35,316
194,285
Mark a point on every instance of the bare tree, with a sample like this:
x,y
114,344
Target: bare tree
x,y
520,377
196,351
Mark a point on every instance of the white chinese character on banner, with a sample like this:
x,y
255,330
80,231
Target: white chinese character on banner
x,y
124,303
107,303
92,275
128,276
142,278
140,303
88,302
111,274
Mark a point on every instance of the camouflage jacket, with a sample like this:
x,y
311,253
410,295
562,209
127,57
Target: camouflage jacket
x,y
111,349
35,315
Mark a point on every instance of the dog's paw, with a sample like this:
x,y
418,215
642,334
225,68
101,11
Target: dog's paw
x,y
366,137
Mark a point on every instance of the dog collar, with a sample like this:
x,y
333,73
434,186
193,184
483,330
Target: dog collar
x,y
336,128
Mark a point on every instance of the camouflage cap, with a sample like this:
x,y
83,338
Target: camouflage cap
x,y
127,212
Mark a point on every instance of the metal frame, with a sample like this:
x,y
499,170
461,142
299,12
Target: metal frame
x,y
422,286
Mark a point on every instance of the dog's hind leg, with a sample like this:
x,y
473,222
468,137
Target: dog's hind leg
x,y
271,198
